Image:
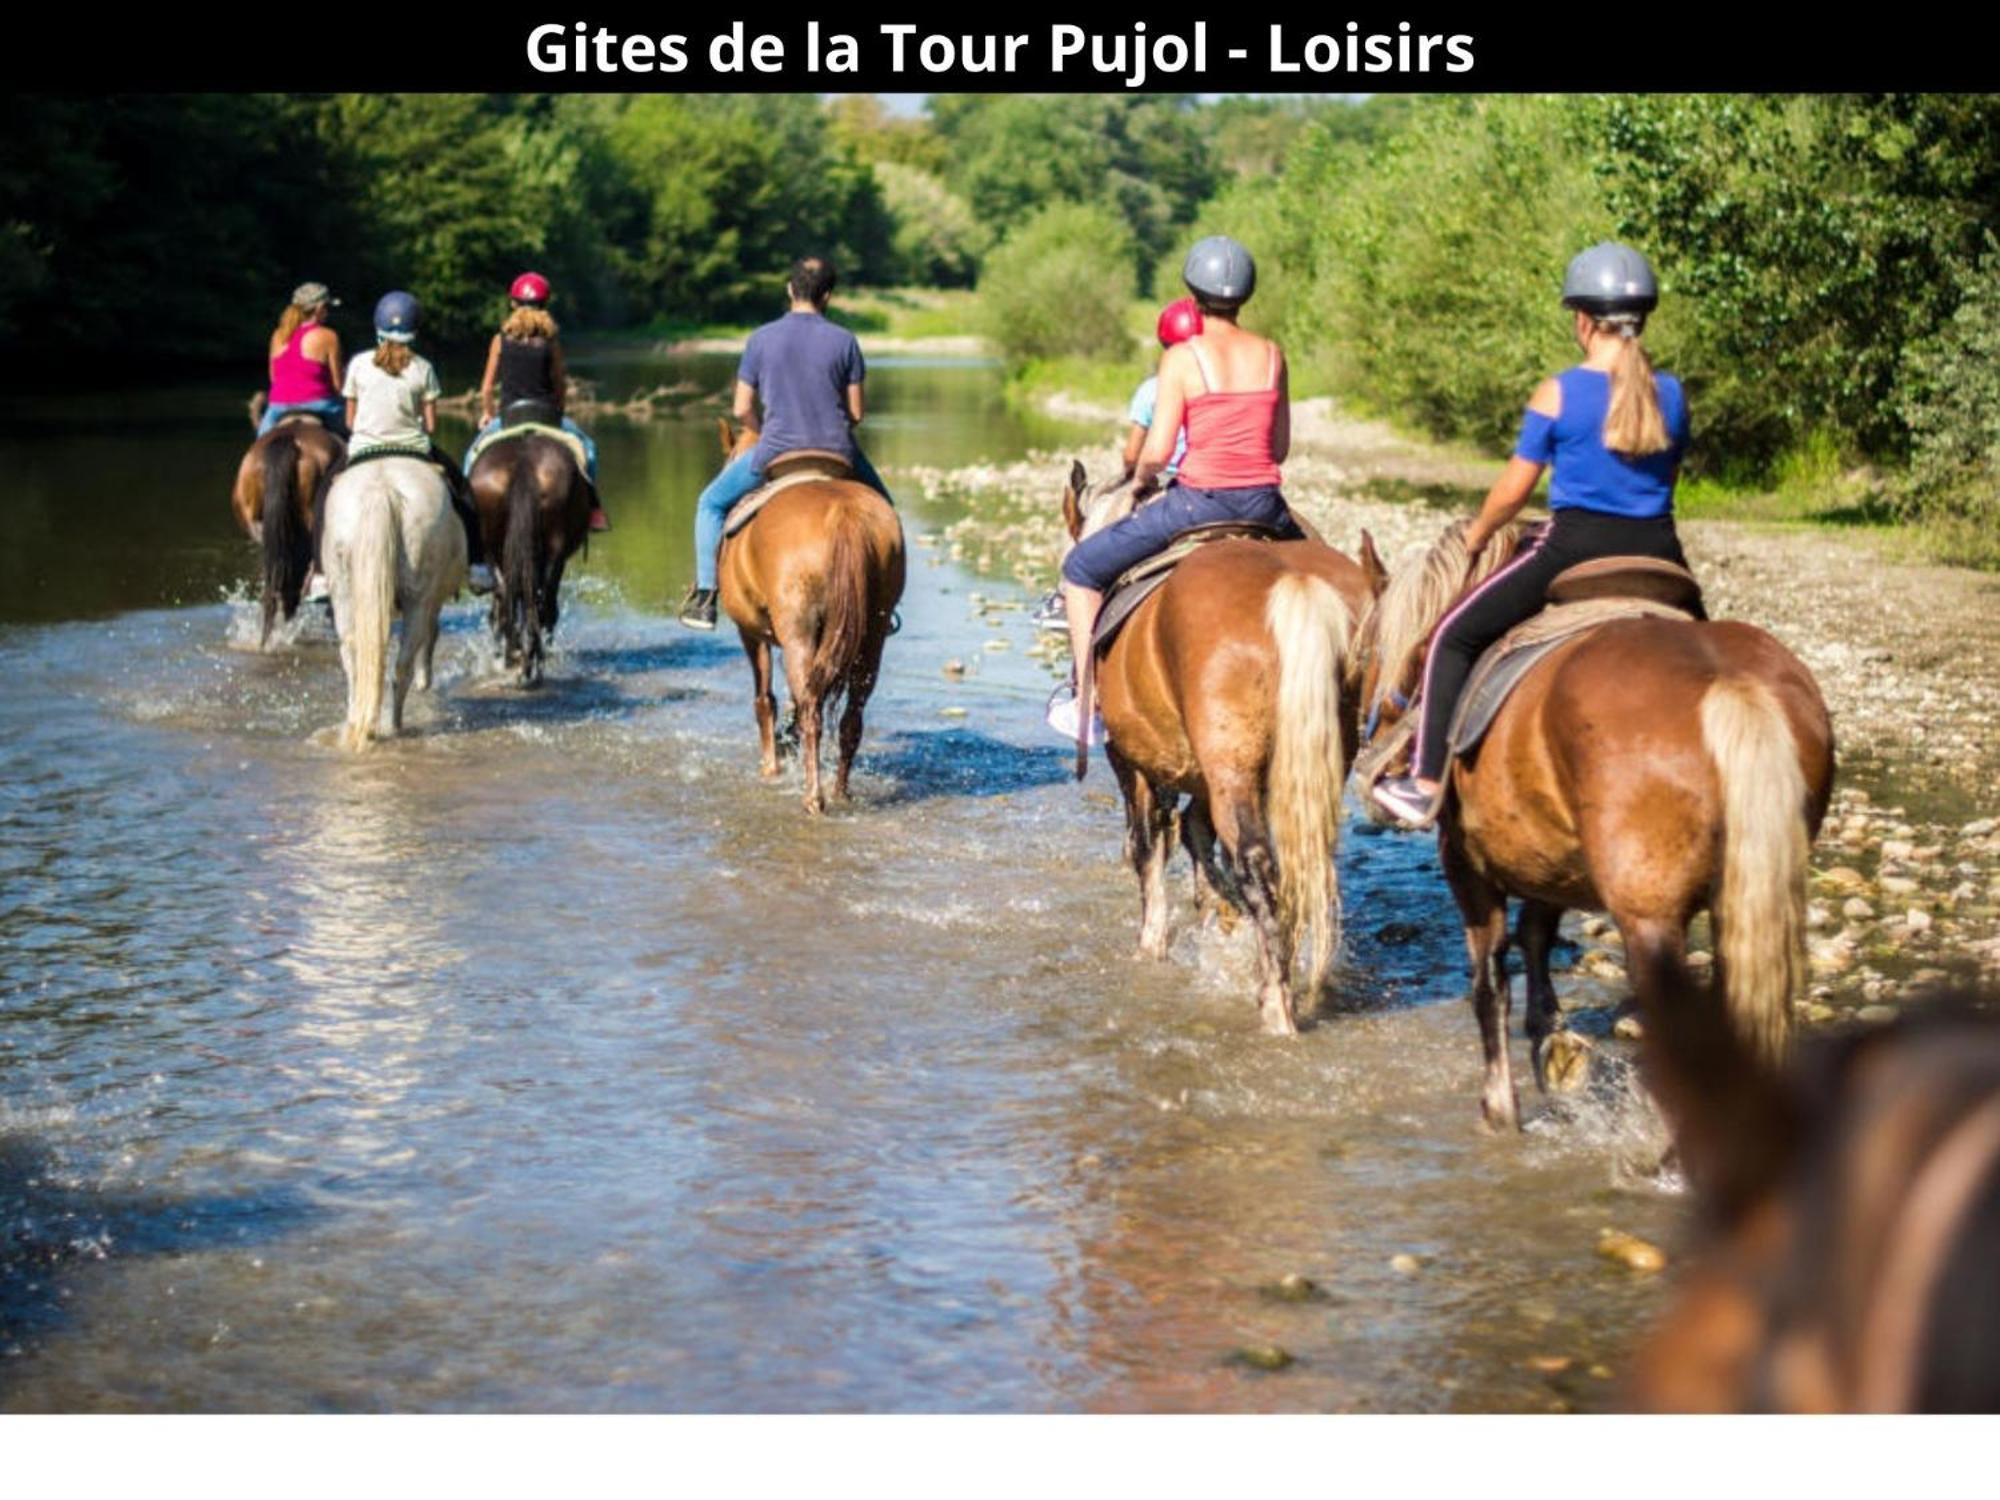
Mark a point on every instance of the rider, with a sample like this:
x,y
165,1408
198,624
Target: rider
x,y
1231,390
392,407
807,372
1179,321
525,363
1615,432
305,362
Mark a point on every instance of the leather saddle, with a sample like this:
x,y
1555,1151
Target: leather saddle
x,y
1139,582
531,410
796,466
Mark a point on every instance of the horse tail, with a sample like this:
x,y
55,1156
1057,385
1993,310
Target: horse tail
x,y
371,608
521,562
1759,908
844,612
287,543
1309,622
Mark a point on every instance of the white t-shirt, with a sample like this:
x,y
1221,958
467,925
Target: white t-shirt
x,y
389,409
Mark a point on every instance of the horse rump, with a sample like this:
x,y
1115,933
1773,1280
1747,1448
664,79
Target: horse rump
x,y
287,541
521,567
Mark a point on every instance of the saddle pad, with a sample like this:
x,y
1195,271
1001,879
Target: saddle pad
x,y
368,452
1500,669
745,510
528,429
1137,583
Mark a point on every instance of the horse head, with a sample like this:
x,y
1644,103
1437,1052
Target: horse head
x,y
736,441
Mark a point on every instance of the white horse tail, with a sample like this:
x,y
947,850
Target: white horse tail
x,y
1759,907
371,593
1308,620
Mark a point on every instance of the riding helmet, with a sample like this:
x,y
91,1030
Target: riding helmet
x,y
531,288
397,316
1220,271
1179,320
1608,279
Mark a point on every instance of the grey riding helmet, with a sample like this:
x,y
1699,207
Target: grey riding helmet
x,y
1609,279
1220,271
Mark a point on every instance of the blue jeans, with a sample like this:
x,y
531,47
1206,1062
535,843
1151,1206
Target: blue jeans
x,y
738,478
568,425
1097,560
332,411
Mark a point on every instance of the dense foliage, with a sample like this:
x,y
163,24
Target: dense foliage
x,y
1060,284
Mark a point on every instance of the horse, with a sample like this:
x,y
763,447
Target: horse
x,y
277,499
534,513
1652,767
392,543
817,573
1231,687
1848,1235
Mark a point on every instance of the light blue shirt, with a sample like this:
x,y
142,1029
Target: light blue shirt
x,y
1144,400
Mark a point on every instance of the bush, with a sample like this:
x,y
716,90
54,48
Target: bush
x,y
1952,408
1061,284
936,241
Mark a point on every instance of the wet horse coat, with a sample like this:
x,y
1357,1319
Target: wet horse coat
x,y
280,488
533,503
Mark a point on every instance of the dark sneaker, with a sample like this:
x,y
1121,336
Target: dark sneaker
x,y
599,521
1051,616
1405,801
698,610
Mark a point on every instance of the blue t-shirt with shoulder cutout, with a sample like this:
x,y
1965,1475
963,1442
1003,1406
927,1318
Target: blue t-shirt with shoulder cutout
x,y
1587,475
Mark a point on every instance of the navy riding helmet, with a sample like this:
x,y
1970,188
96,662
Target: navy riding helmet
x,y
397,316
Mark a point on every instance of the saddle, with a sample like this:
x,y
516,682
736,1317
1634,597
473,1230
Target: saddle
x,y
1581,599
799,466
1139,582
512,430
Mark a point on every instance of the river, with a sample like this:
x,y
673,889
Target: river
x,y
548,1060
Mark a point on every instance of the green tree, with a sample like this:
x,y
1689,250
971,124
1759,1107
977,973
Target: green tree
x,y
1061,284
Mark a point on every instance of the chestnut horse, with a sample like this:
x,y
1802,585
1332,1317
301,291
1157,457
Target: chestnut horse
x,y
1652,768
276,500
1231,687
534,512
817,573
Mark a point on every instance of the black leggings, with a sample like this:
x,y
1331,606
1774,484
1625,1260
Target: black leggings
x,y
1513,594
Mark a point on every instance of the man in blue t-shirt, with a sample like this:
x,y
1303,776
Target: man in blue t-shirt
x,y
807,374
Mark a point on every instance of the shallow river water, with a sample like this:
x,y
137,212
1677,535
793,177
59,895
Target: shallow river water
x,y
547,1059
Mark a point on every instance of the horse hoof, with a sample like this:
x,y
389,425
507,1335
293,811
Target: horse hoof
x,y
1279,1022
1500,1117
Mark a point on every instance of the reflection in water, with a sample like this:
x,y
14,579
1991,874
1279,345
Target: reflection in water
x,y
546,1057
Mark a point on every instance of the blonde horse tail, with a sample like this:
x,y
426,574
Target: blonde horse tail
x,y
1309,622
1759,907
844,608
371,608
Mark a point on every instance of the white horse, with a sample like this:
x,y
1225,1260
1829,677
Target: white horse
x,y
391,542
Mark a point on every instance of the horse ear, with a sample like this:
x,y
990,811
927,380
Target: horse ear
x,y
1073,499
1371,566
727,434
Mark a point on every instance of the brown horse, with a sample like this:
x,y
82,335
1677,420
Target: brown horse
x,y
276,500
1231,687
1852,1221
1652,768
817,573
533,504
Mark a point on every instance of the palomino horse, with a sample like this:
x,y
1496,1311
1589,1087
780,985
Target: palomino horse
x,y
1231,687
392,542
817,573
1652,767
276,500
534,512
1851,1221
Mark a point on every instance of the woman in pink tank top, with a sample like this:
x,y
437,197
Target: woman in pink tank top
x,y
305,363
1230,389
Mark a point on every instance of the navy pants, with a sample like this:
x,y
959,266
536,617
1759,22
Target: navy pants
x,y
1097,560
1513,594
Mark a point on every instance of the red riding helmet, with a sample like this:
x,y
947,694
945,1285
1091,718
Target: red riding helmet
x,y
1180,320
530,287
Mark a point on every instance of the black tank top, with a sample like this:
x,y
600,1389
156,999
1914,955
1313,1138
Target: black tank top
x,y
526,367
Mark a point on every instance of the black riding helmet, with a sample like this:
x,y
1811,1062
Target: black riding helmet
x,y
1610,279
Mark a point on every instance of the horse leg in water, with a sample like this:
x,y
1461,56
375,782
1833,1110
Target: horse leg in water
x,y
799,653
763,700
1236,806
1148,838
1483,905
1537,933
1213,889
860,685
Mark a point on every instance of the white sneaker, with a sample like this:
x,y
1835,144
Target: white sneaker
x,y
479,578
1062,714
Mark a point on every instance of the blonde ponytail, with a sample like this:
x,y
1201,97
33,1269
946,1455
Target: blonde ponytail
x,y
288,324
392,357
1633,423
528,323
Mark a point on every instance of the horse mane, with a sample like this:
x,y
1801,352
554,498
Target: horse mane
x,y
1424,587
